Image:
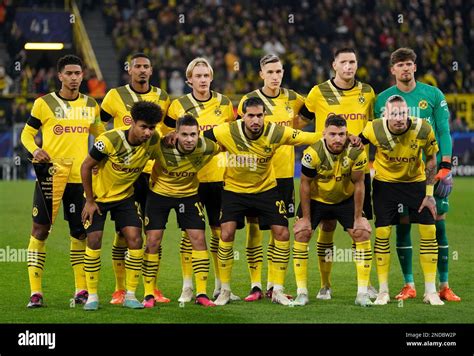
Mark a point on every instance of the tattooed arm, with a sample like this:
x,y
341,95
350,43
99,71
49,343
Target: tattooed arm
x,y
430,171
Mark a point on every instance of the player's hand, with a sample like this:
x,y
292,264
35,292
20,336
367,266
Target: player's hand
x,y
430,203
41,155
445,184
170,139
301,225
90,207
362,224
355,141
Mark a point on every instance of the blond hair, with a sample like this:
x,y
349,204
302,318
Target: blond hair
x,y
197,62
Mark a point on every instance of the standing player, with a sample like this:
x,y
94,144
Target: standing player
x,y
65,117
121,155
354,100
117,105
401,180
332,187
251,189
210,109
281,107
428,103
174,185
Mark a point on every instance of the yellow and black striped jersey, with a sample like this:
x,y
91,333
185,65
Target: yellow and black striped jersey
x,y
65,125
118,102
249,168
175,174
356,105
216,110
120,163
398,158
281,110
332,172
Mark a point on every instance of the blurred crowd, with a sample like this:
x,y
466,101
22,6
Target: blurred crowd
x,y
235,34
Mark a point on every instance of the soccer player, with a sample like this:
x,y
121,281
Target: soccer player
x,y
210,108
332,187
250,188
65,118
121,155
281,107
174,185
428,103
117,105
401,180
342,95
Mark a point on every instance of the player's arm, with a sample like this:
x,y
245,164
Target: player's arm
x,y
209,134
360,222
304,223
29,133
97,126
430,171
296,137
90,207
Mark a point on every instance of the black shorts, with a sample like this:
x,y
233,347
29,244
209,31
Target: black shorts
x,y
342,212
210,195
267,206
189,212
73,202
141,191
389,199
368,210
286,188
124,212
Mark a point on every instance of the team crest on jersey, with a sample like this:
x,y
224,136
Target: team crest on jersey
x,y
198,161
423,104
52,171
100,145
414,145
218,111
361,98
288,107
267,149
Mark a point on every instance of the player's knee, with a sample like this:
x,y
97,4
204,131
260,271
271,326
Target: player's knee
x,y
303,236
427,231
359,235
152,244
383,232
227,236
281,233
94,240
78,233
40,232
328,225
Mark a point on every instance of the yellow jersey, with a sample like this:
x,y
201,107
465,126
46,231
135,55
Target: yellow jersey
x,y
398,158
332,172
118,102
175,174
248,165
216,110
281,110
120,164
65,125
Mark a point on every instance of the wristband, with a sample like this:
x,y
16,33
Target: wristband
x,y
444,164
429,190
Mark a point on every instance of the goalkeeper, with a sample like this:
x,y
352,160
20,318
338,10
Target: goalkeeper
x,y
426,102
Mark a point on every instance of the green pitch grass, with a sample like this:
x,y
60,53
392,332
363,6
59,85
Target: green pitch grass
x,y
15,212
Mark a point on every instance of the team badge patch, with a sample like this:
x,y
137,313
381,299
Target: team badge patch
x,y
423,104
100,145
361,99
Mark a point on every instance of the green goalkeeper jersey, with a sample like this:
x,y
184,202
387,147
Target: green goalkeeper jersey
x,y
426,102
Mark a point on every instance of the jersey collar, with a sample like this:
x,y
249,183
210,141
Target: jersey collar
x,y
269,97
203,101
60,97
335,86
138,92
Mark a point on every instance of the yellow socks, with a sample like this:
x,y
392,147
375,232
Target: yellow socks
x,y
325,247
382,255
226,261
300,265
281,257
133,267
76,254
36,260
254,251
200,262
150,271
119,247
428,255
363,262
92,269
185,252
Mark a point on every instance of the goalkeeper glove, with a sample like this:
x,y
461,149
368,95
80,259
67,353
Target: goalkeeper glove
x,y
445,177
